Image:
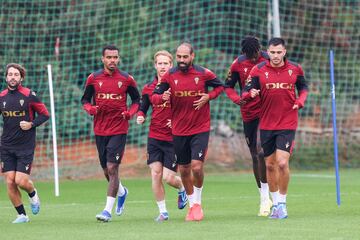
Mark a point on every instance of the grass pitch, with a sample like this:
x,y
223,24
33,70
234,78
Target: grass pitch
x,y
230,203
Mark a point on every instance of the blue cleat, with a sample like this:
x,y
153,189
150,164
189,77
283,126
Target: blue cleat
x,y
162,217
274,212
104,216
35,204
282,211
21,219
182,199
121,203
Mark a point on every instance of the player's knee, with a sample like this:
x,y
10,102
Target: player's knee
x,y
112,170
270,166
167,177
156,174
10,181
197,169
283,164
20,181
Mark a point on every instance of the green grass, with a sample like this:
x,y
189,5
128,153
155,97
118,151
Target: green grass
x,y
230,205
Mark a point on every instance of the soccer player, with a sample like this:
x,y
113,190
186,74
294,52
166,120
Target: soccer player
x,y
186,86
160,148
250,111
18,107
105,98
275,81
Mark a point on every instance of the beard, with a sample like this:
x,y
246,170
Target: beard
x,y
184,67
13,86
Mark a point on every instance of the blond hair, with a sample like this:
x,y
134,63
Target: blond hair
x,y
163,53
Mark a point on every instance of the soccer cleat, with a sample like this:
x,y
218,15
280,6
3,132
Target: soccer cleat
x,y
282,211
104,216
35,204
197,212
189,215
162,217
121,203
182,199
21,219
265,208
274,212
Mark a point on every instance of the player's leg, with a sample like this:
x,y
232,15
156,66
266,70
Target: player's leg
x,y
101,142
252,135
199,145
169,172
22,178
284,146
183,155
268,143
9,162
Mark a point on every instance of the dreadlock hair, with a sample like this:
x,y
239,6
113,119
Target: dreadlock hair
x,y
250,46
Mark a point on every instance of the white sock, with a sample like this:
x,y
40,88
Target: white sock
x,y
191,199
264,191
282,198
121,190
162,206
197,193
109,204
181,189
275,197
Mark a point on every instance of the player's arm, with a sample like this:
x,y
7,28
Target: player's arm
x,y
302,89
42,114
251,89
88,96
231,80
135,99
161,93
144,107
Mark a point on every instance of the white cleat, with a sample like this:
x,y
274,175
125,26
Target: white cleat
x,y
265,208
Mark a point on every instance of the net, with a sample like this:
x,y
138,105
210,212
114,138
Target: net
x,y
70,35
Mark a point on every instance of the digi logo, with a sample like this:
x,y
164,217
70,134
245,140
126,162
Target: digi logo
x,y
288,86
13,113
188,93
111,96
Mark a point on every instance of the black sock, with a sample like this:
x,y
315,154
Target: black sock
x,y
20,209
32,194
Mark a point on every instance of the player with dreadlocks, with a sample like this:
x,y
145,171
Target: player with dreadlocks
x,y
239,72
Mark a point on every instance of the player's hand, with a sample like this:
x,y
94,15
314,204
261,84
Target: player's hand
x,y
166,95
24,125
202,101
93,110
126,115
254,92
295,106
140,120
168,124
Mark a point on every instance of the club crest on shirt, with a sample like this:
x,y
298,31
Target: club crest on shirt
x,y
4,104
290,72
245,70
33,93
175,81
21,102
196,80
119,84
100,84
266,74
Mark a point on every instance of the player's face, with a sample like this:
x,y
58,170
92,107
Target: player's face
x,y
110,59
276,55
13,78
184,58
162,65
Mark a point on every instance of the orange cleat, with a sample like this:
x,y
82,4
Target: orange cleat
x,y
189,215
197,212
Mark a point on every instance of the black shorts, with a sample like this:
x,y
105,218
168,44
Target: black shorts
x,y
277,139
110,148
161,151
251,131
193,147
17,160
